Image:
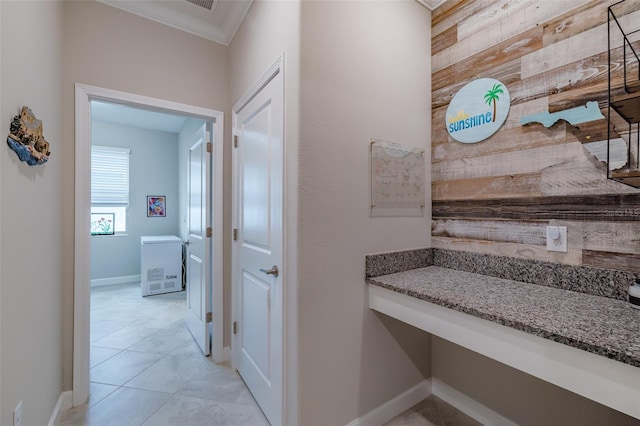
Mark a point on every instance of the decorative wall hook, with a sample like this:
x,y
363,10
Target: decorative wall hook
x,y
26,138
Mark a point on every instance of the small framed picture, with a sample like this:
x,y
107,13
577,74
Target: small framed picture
x,y
156,206
103,224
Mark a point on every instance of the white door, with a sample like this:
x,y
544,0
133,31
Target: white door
x,y
258,250
199,246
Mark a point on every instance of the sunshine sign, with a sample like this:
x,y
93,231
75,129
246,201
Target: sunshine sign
x,y
478,110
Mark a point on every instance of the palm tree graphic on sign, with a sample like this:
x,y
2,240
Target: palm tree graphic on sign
x,y
492,96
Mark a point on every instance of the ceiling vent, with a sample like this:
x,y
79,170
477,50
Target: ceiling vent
x,y
207,4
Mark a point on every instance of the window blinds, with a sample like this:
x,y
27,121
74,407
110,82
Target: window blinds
x,y
109,176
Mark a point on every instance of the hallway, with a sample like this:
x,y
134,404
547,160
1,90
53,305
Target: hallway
x,y
146,368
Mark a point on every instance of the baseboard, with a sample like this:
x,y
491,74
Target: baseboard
x,y
116,280
395,406
64,402
470,407
422,390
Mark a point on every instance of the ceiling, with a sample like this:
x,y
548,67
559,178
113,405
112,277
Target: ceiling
x,y
215,20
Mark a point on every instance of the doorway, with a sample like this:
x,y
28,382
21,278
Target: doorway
x,y
82,270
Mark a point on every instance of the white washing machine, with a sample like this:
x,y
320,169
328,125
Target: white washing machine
x,y
161,264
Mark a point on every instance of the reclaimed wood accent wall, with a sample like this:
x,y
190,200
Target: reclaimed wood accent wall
x,y
498,196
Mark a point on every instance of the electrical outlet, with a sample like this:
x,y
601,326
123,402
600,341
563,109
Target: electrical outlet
x,y
557,238
17,415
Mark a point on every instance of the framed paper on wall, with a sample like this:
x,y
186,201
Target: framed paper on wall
x,y
156,206
397,175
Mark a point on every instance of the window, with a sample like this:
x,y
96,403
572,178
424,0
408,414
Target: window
x,y
109,187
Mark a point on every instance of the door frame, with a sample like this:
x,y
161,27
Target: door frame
x,y
84,94
288,350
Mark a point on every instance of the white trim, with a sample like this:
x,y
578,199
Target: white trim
x,y
431,4
217,209
433,386
608,382
82,256
469,406
200,23
99,282
64,403
390,409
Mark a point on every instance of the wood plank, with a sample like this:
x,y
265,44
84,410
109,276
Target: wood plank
x,y
444,40
570,99
512,17
454,11
521,185
445,9
493,15
505,140
611,260
593,131
583,45
566,78
515,250
449,81
605,207
508,163
571,76
615,237
582,175
504,231
588,43
583,18
588,80
472,55
472,42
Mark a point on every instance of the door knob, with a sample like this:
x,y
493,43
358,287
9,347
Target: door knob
x,y
273,271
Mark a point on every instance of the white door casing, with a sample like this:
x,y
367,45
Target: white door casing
x,y
84,94
199,245
258,347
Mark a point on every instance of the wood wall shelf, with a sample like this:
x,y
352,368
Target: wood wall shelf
x,y
627,106
631,178
624,101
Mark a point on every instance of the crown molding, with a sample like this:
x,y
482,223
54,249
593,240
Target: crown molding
x,y
220,26
431,4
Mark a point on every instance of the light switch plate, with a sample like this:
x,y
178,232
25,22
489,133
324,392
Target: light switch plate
x,y
560,243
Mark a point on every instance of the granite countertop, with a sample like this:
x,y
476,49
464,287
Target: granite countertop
x,y
596,324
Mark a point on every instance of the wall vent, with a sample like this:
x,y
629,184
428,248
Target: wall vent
x,y
207,4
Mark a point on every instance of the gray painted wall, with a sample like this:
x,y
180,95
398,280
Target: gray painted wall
x,y
364,73
524,399
153,170
31,214
102,47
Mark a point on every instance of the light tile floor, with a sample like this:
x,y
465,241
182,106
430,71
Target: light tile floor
x,y
147,370
432,411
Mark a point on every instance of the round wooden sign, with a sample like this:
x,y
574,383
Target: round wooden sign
x,y
478,110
